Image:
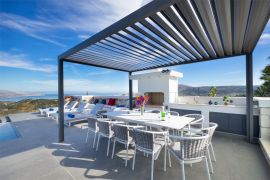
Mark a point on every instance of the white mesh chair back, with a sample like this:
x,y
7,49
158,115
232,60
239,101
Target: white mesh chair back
x,y
197,122
173,113
211,129
197,117
144,140
104,127
191,147
120,132
92,124
132,127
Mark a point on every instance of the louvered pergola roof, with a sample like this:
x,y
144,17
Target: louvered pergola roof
x,y
174,32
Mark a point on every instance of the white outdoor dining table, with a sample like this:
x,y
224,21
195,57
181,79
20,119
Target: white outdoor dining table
x,y
150,119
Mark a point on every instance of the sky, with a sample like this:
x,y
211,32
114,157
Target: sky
x,y
34,32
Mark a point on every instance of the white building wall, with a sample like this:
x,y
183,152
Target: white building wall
x,y
153,85
173,90
158,81
159,84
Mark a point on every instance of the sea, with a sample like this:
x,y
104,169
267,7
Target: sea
x,y
50,96
19,98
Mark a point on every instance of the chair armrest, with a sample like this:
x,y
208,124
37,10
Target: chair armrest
x,y
118,122
135,127
159,132
196,122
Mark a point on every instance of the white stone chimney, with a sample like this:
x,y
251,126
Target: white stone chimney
x,y
160,85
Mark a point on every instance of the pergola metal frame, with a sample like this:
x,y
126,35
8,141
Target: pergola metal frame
x,y
166,33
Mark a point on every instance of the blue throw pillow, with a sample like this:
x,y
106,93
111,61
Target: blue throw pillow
x,y
120,105
103,101
95,101
71,115
51,109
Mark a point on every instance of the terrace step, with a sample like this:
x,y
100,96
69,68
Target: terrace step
x,y
265,145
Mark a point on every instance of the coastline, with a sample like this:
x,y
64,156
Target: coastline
x,y
20,98
50,96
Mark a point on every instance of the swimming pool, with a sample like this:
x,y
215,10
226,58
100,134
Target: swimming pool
x,y
8,132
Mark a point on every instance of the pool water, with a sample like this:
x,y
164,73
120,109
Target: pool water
x,y
8,132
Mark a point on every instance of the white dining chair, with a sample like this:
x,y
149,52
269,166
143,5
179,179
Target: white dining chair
x,y
148,143
210,150
190,149
123,134
197,119
104,130
92,127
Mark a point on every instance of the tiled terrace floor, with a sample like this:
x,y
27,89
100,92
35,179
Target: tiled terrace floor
x,y
37,155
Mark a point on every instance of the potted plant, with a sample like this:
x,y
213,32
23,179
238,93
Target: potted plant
x,y
212,93
226,100
141,102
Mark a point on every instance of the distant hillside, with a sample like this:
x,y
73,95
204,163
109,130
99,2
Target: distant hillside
x,y
27,105
7,94
185,90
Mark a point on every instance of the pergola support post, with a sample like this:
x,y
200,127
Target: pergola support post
x,y
249,96
130,91
61,135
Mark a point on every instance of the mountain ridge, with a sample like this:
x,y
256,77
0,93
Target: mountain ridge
x,y
233,90
183,90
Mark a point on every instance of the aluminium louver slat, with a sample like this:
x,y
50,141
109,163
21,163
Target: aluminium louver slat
x,y
136,47
139,44
127,60
166,39
108,61
258,17
112,46
139,54
157,41
120,52
205,11
169,58
82,62
240,17
186,11
147,56
125,54
180,26
168,30
223,10
98,61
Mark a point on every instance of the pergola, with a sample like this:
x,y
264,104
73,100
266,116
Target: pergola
x,y
174,32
